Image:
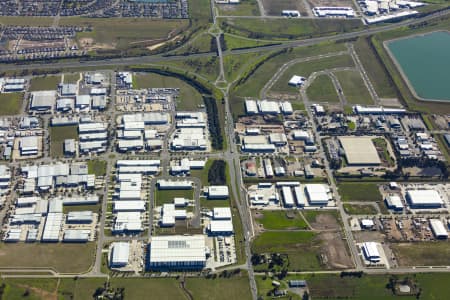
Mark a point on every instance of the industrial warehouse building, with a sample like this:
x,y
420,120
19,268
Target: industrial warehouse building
x,y
177,252
317,194
438,229
360,151
371,253
120,252
424,199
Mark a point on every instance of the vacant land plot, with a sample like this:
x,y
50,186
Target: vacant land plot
x,y
44,83
28,21
359,191
281,220
422,253
322,90
323,220
199,44
286,29
123,33
235,287
275,7
375,71
353,87
16,288
260,74
71,77
141,288
10,103
360,209
189,98
97,167
166,196
244,8
46,255
79,288
301,247
57,136
305,69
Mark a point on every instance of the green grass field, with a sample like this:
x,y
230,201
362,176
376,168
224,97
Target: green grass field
x,y
202,174
322,90
142,288
97,167
282,220
189,98
57,136
359,191
234,64
46,255
71,77
305,69
236,287
166,196
237,42
373,287
10,103
29,21
262,74
208,67
360,209
44,83
244,8
422,254
198,44
313,216
353,87
300,246
375,71
122,33
287,29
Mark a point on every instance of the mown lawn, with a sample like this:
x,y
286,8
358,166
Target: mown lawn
x,y
360,209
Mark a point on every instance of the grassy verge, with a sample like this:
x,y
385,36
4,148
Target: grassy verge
x,y
236,42
10,103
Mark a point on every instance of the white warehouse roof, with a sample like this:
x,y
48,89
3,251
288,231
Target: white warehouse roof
x,y
177,248
424,198
222,213
317,193
120,253
218,191
438,229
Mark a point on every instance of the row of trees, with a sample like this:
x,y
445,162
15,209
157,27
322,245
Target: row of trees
x,y
216,173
